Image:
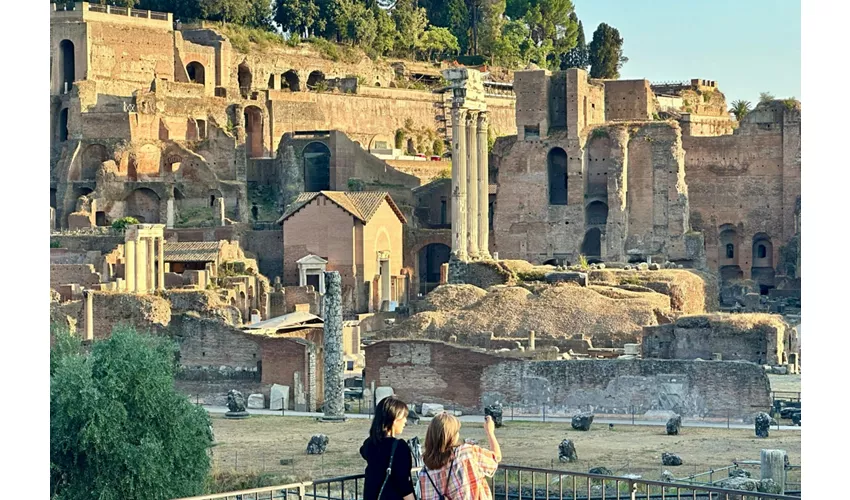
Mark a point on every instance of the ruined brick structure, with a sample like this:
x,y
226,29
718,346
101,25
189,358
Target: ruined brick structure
x,y
421,371
629,170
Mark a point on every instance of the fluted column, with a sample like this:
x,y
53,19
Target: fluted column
x,y
160,284
151,265
472,184
459,183
141,261
483,187
130,265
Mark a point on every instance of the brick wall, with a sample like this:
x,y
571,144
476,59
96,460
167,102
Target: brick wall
x,y
268,247
144,312
64,274
628,100
428,371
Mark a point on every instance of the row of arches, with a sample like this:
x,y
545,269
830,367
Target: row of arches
x,y
596,184
729,248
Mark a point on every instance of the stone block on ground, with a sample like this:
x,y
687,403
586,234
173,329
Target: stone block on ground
x,y
762,424
256,402
495,412
382,392
317,445
673,425
582,421
566,276
279,397
667,476
670,459
432,409
605,471
567,451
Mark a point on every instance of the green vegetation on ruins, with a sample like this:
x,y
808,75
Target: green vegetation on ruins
x,y
506,33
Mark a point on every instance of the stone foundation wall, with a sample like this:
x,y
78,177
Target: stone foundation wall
x,y
64,274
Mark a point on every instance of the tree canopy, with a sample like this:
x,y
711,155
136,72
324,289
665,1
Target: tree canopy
x,y
605,53
118,427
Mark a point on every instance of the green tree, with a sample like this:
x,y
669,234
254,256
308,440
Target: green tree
x,y
385,34
437,41
740,109
513,47
765,97
410,22
296,16
254,13
577,56
491,24
605,53
119,428
353,22
122,223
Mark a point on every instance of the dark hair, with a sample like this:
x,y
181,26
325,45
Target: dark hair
x,y
386,412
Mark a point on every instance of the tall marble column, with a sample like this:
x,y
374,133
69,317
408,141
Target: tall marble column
x,y
483,187
334,360
141,261
130,265
89,314
160,284
459,183
151,265
472,184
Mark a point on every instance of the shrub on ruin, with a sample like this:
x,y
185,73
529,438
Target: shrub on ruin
x,y
399,139
439,147
122,223
119,428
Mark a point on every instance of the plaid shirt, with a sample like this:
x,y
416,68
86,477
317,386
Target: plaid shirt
x,y
472,465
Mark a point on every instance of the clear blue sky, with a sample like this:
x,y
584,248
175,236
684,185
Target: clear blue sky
x,y
746,46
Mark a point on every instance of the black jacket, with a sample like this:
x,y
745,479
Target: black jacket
x,y
377,456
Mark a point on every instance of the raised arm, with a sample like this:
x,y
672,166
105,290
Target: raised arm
x,y
490,429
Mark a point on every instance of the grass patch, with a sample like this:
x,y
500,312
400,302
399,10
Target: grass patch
x,y
245,39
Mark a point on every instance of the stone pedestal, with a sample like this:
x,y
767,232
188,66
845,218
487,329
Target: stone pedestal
x,y
333,348
773,467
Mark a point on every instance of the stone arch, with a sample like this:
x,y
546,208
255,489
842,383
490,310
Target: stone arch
x,y
317,167
93,156
556,162
196,72
290,81
67,66
245,79
143,204
598,161
315,79
254,132
591,247
728,253
429,260
62,127
596,213
762,269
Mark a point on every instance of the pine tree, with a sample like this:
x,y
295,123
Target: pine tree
x,y
605,53
576,57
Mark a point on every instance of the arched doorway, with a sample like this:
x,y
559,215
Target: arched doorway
x,y
290,81
762,269
254,131
728,250
596,214
316,80
62,129
143,204
195,70
93,157
557,168
53,197
430,259
245,79
317,167
67,66
591,247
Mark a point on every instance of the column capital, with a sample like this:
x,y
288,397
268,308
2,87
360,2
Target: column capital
x,y
471,118
483,119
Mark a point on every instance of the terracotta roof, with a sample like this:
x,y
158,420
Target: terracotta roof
x,y
362,205
191,251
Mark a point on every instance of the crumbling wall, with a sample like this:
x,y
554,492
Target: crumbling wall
x,y
469,379
628,100
64,274
144,312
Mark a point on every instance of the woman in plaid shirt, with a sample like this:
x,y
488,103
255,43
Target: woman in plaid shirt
x,y
455,470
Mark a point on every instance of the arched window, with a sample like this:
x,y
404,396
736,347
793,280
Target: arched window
x,y
762,252
245,79
317,167
316,80
67,66
557,168
195,70
596,214
289,80
730,251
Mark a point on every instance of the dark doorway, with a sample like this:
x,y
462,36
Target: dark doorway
x,y
557,166
195,70
67,65
254,131
289,81
592,244
63,125
317,167
431,259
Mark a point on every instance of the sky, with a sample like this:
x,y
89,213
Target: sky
x,y
746,46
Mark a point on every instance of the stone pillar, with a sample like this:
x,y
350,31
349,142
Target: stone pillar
x,y
52,219
472,184
130,265
219,211
169,213
773,467
160,284
151,265
89,314
459,183
141,272
333,347
483,187
531,340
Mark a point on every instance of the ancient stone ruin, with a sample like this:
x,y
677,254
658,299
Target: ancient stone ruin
x,y
318,444
567,451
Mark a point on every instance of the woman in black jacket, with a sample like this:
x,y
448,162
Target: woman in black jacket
x,y
390,417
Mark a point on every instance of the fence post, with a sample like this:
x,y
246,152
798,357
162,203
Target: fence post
x,y
633,489
544,413
633,414
728,420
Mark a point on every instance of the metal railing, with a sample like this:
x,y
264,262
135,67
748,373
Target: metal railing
x,y
513,482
